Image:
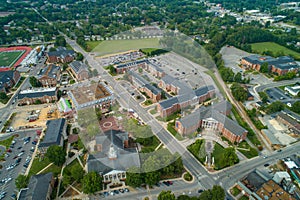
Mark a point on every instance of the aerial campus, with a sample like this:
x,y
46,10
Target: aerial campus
x,y
153,111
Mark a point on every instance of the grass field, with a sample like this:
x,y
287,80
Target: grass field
x,y
8,58
274,48
115,46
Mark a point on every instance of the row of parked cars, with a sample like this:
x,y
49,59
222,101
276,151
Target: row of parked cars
x,y
114,192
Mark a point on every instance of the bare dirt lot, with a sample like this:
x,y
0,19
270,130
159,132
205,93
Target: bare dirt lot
x,y
44,113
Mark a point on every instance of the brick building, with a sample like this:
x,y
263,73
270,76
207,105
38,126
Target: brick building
x,y
8,79
91,94
280,65
213,118
37,95
61,55
144,86
191,97
80,70
49,76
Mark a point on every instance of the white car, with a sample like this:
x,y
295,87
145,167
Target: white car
x,y
8,179
20,154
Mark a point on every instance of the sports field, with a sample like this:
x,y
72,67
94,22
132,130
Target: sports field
x,y
115,46
9,58
274,48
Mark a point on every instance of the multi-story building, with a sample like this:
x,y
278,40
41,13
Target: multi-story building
x,y
191,97
80,70
8,79
49,76
112,156
173,85
91,94
37,95
144,86
39,187
55,134
280,65
146,64
61,55
213,118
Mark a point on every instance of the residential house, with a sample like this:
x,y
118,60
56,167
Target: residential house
x,y
61,55
80,70
213,118
8,79
49,76
37,95
39,188
91,94
143,85
55,134
112,156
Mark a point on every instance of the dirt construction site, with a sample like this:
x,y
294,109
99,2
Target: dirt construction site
x,y
34,117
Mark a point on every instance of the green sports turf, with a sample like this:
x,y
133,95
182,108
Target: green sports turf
x,y
116,46
8,58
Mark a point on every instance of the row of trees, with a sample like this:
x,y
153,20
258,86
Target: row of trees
x,y
216,193
239,92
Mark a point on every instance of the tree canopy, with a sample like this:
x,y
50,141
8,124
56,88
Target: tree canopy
x,y
21,181
56,154
166,195
91,182
239,92
34,82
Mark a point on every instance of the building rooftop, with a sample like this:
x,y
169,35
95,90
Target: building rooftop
x,y
271,136
144,83
5,76
272,191
54,132
78,66
37,92
89,92
112,154
62,52
49,71
37,188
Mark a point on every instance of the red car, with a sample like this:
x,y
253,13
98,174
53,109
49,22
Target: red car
x,y
8,150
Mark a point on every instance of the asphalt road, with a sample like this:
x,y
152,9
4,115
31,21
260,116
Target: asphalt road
x,y
275,84
226,178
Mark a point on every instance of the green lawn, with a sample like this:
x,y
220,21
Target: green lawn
x,y
116,46
92,44
8,58
274,48
38,165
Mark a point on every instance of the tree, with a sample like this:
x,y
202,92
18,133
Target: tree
x,y
91,182
79,56
56,154
296,107
217,193
264,68
60,41
34,82
133,177
275,107
3,97
238,92
238,78
65,66
230,156
166,195
205,195
263,96
152,178
21,181
77,172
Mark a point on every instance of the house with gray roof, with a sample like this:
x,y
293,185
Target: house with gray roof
x,y
112,156
37,95
39,188
79,69
49,76
213,118
55,134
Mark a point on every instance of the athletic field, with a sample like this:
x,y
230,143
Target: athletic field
x,y
9,58
116,46
274,48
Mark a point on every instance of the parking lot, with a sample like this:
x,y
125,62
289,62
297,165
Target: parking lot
x,y
19,154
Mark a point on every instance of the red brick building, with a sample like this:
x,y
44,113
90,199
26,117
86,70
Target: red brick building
x,y
61,55
37,95
49,76
8,79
